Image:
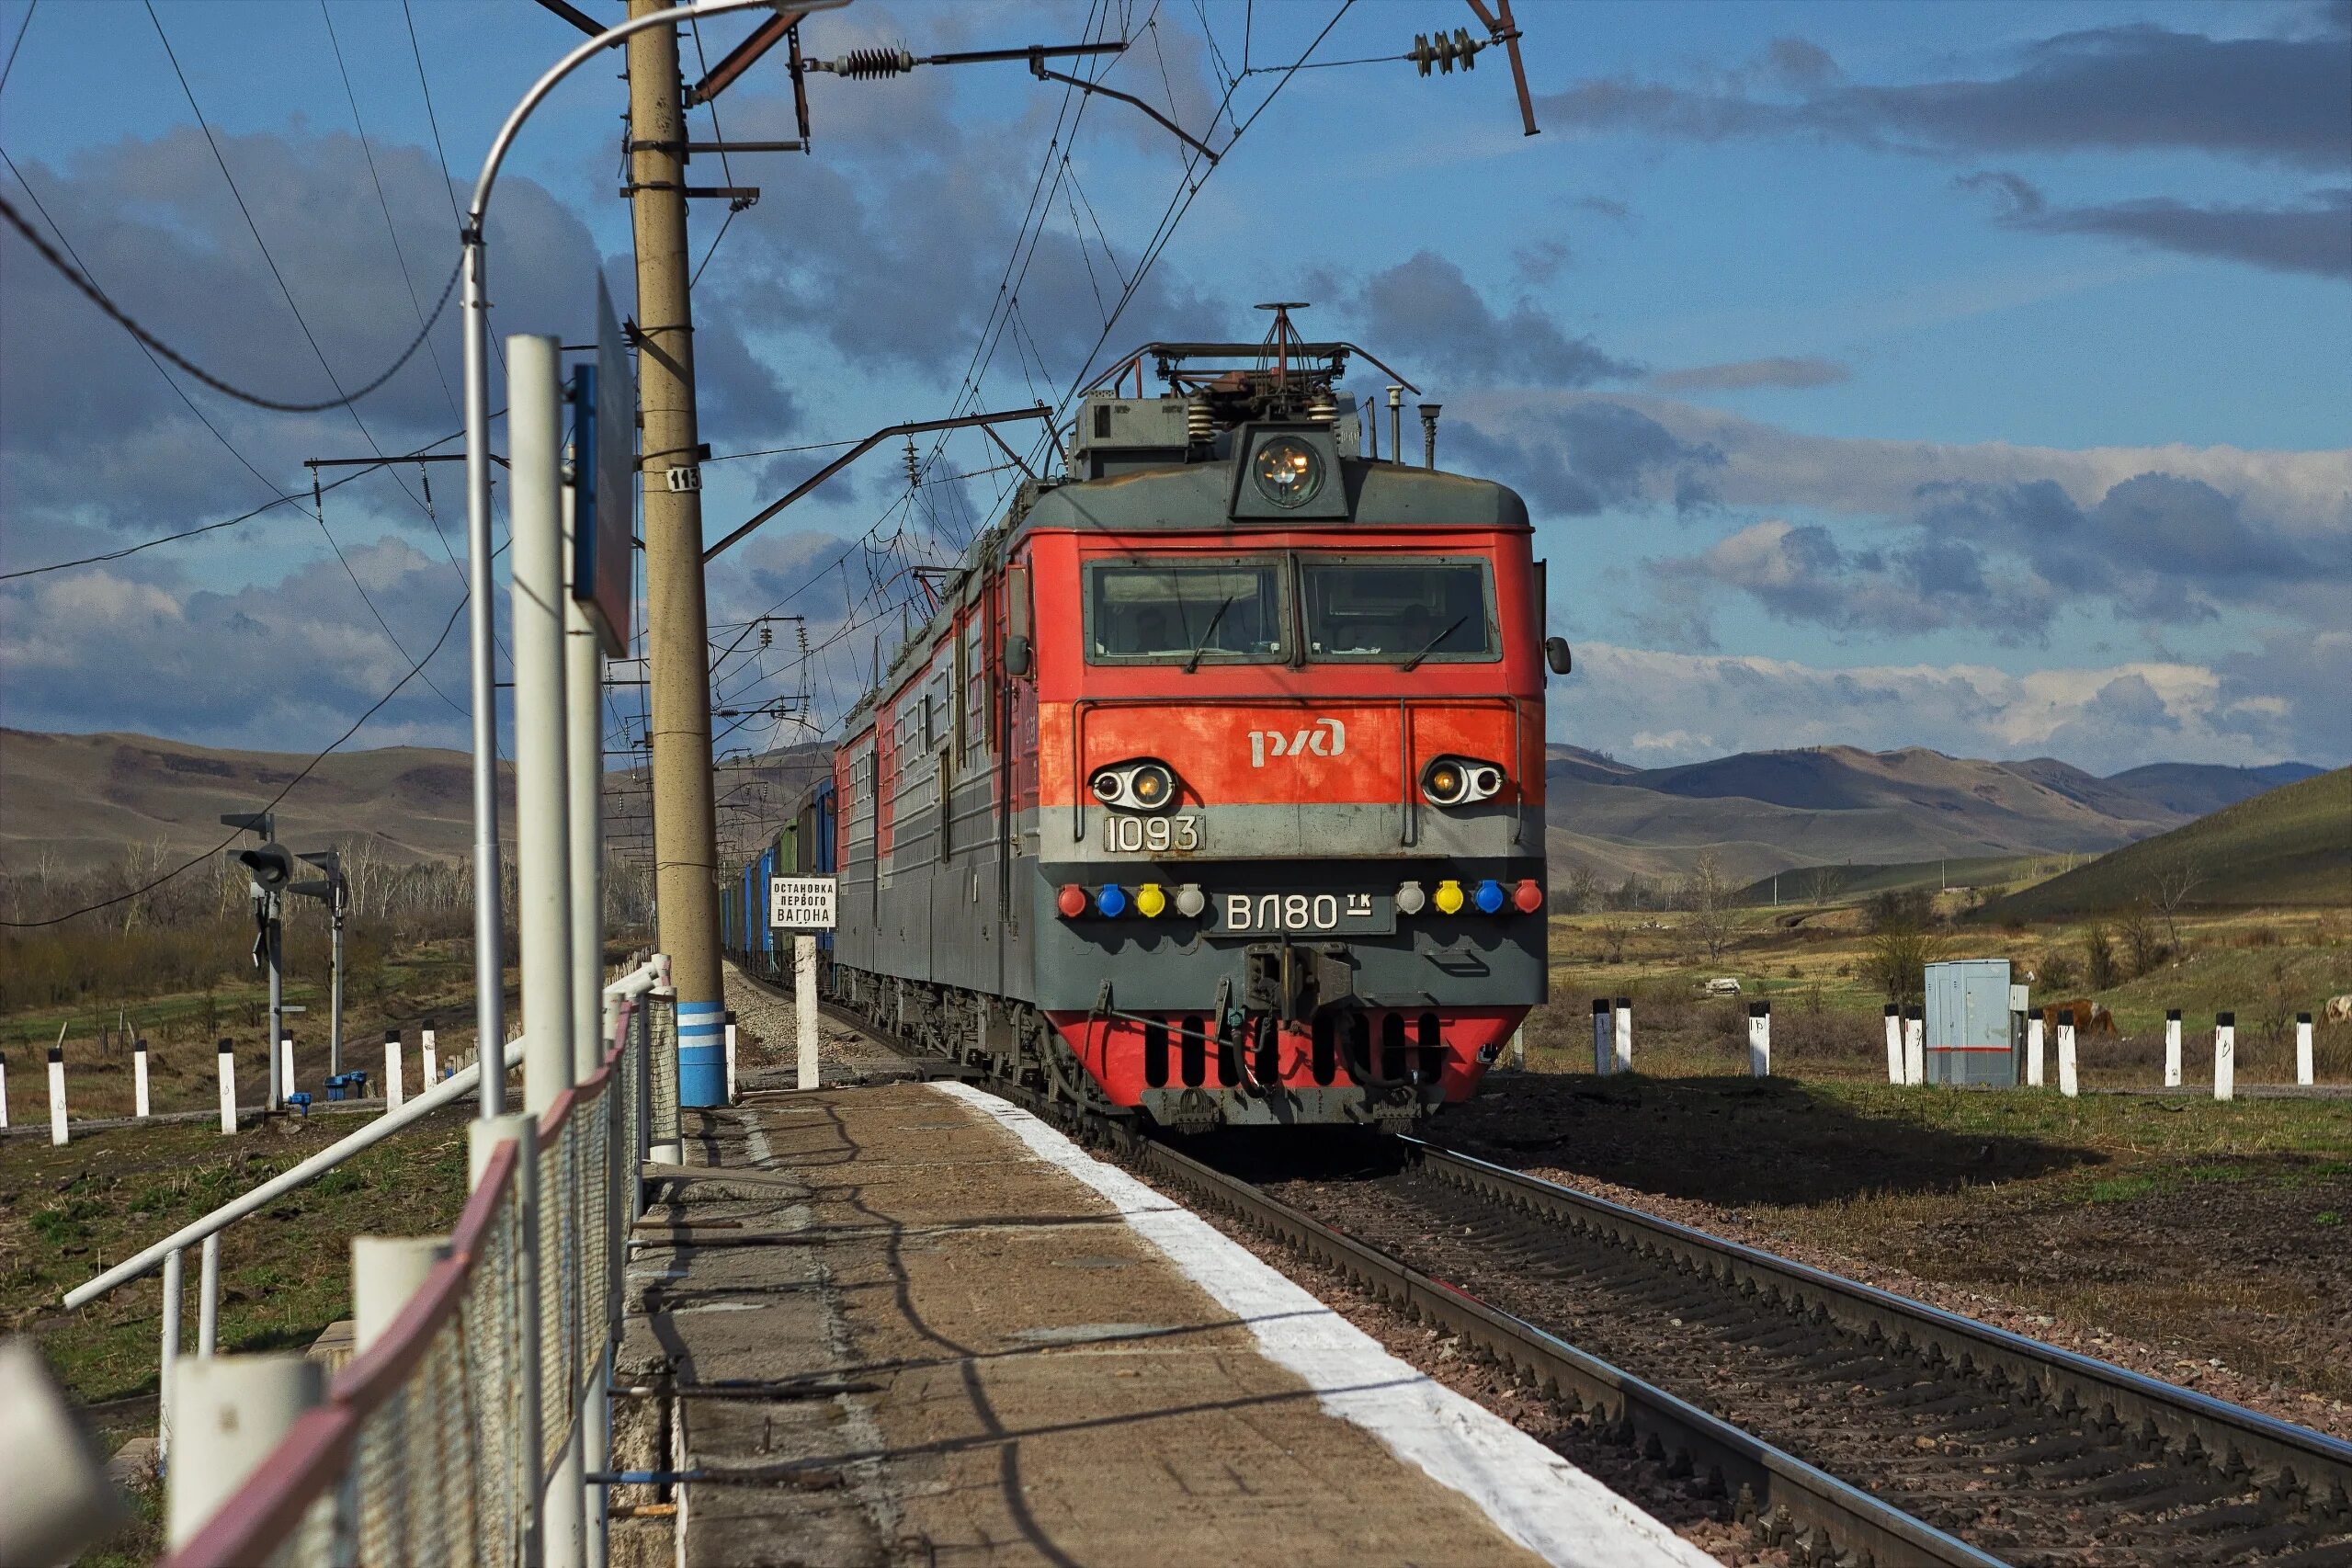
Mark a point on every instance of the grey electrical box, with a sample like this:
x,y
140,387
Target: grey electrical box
x,y
1970,1038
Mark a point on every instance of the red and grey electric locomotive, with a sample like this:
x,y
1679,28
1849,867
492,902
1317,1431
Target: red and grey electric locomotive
x,y
1214,790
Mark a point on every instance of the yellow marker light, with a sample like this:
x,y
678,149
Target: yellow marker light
x,y
1449,897
1150,901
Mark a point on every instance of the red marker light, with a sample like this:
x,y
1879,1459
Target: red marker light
x,y
1072,902
1527,896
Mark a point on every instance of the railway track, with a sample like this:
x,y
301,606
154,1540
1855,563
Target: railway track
x,y
1843,1424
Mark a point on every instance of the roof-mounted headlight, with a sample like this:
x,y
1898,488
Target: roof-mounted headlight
x,y
1460,781
1288,472
1143,785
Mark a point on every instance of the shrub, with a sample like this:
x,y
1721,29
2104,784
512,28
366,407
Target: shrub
x,y
2098,956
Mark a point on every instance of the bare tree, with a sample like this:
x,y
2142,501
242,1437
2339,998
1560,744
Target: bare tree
x,y
2169,885
1709,893
1825,883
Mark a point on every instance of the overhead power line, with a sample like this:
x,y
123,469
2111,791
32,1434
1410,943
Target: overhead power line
x,y
98,297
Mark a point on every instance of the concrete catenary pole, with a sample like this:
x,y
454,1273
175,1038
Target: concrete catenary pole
x,y
542,813
677,655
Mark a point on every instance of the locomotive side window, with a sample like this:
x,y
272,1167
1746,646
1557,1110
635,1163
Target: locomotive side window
x,y
1165,612
1389,610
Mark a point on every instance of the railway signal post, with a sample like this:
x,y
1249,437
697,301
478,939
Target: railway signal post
x,y
803,905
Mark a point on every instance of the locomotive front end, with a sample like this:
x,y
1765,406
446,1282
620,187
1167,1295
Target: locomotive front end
x,y
1289,770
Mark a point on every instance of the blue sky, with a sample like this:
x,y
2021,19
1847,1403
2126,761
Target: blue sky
x,y
1966,375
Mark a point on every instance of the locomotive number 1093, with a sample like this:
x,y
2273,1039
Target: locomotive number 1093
x,y
1127,835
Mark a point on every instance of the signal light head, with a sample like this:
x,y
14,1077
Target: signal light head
x,y
1460,781
1449,897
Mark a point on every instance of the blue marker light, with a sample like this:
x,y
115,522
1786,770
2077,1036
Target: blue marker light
x,y
1112,900
1490,897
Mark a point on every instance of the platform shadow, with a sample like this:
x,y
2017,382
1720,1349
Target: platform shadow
x,y
1735,1139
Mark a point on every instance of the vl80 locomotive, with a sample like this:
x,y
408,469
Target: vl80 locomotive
x,y
1213,788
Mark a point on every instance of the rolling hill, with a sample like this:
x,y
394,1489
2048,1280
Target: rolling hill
x,y
2289,845
1766,812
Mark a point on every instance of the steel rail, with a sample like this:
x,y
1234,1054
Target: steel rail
x,y
2291,1461
1777,1493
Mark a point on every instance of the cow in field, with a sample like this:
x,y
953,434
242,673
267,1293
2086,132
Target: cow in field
x,y
2339,1010
2089,1018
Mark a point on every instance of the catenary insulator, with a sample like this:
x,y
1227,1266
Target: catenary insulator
x,y
864,64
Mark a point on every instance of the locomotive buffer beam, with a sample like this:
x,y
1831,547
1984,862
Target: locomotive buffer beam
x,y
1294,982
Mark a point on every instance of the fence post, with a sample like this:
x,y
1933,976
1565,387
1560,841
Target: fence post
x,y
393,1096
662,1045
2067,1083
2303,1048
385,1272
2172,1047
57,1097
1895,1043
207,1297
228,1086
426,1049
1624,1034
139,1080
731,1055
234,1410
805,1004
1759,1040
1915,1045
171,1319
2225,1056
2035,1050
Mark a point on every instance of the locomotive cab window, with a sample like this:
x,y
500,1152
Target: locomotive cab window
x,y
1391,610
1169,612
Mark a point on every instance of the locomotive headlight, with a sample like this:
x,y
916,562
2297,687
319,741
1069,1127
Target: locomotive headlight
x,y
1460,781
1140,786
1288,472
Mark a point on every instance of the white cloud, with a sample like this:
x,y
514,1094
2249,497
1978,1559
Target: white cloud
x,y
1671,707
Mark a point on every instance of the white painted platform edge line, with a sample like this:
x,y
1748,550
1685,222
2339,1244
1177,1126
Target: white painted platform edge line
x,y
1533,1496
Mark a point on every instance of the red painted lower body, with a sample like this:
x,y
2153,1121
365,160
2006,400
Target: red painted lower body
x,y
1375,1046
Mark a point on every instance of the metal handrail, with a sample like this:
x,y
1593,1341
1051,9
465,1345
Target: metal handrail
x,y
635,983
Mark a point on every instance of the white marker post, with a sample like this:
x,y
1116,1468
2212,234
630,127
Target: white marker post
x,y
2172,1047
4,1092
2035,1052
426,1049
1759,1040
1915,1045
139,1106
1603,1054
1895,1043
2067,1083
56,1096
731,1097
285,1062
2225,1056
2303,1048
1625,1034
803,905
391,1071
228,1086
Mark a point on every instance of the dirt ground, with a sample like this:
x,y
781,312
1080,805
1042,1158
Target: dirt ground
x,y
2197,1243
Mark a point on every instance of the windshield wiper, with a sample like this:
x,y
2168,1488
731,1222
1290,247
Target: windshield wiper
x,y
1431,647
1202,647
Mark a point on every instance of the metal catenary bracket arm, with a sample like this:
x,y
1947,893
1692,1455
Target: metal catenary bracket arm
x,y
859,451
